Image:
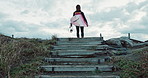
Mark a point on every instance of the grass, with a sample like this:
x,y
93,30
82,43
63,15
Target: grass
x,y
134,68
21,57
27,70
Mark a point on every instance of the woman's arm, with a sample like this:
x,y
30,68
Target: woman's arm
x,y
84,17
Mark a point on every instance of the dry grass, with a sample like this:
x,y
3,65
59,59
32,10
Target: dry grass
x,y
133,65
18,56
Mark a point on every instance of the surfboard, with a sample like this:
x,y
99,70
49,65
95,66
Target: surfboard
x,y
78,20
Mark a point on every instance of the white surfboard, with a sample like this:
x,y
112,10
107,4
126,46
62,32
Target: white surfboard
x,y
78,20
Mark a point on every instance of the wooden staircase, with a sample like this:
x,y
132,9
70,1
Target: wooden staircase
x,y
78,58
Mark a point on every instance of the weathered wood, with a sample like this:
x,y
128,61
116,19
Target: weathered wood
x,y
114,52
139,45
80,68
76,52
78,60
73,55
80,47
79,42
129,36
81,39
92,76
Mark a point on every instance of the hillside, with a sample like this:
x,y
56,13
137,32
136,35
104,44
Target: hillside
x,y
21,57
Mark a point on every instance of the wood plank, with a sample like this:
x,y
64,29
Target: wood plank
x,y
77,60
81,39
60,68
78,43
76,52
81,47
93,76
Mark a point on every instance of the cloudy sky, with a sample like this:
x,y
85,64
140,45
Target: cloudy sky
x,y
44,18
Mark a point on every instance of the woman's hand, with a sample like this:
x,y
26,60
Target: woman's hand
x,y
70,25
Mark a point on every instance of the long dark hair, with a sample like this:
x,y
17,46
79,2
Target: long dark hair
x,y
78,8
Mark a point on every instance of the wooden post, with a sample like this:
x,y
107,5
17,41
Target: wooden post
x,y
12,36
129,36
100,35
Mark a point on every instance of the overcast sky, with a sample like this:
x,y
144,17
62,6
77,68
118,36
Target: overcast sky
x,y
44,18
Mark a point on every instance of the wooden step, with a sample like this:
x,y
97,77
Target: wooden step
x,y
93,76
81,47
78,42
78,68
76,52
81,39
78,60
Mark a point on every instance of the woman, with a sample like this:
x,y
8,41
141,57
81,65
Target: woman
x,y
80,13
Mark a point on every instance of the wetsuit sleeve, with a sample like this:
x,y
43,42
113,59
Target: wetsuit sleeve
x,y
84,17
73,13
